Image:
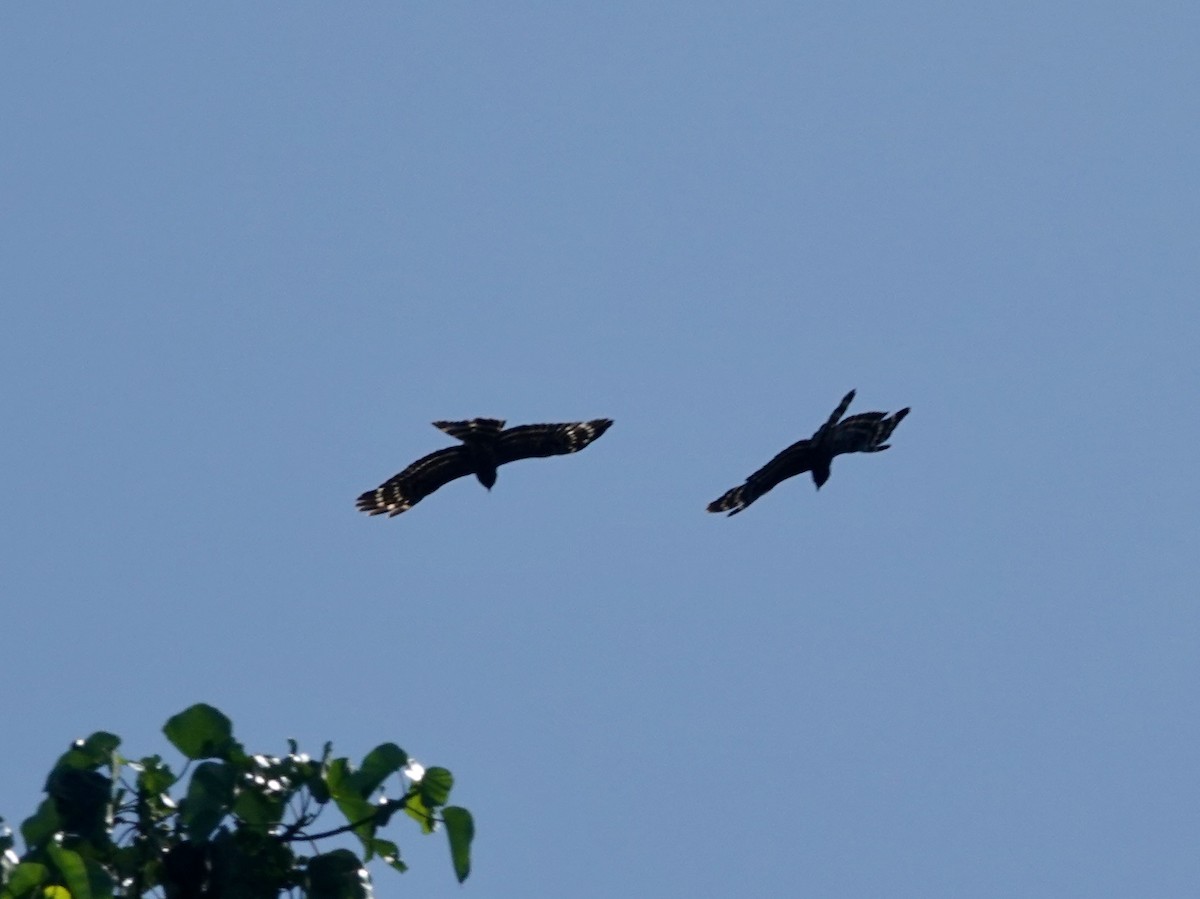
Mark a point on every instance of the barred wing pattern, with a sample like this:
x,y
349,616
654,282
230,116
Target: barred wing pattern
x,y
533,441
862,433
475,430
485,446
403,491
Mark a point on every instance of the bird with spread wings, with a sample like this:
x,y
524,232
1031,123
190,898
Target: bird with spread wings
x,y
485,446
863,433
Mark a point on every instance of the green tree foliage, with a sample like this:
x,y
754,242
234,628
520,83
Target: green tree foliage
x,y
109,827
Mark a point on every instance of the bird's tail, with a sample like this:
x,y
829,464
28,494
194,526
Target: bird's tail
x,y
474,429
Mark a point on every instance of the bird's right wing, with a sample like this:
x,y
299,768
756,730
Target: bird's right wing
x,y
855,434
865,433
532,441
403,491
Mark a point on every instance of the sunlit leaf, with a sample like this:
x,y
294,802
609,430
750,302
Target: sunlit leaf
x,y
344,787
337,774
416,809
435,786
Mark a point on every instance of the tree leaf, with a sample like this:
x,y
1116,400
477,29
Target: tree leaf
x,y
319,788
39,827
100,878
209,799
95,752
248,863
460,830
390,853
201,732
82,800
27,877
344,787
416,809
235,831
338,875
100,746
70,866
381,763
155,777
337,777
258,809
435,786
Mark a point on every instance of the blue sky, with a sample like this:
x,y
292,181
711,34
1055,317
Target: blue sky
x,y
251,253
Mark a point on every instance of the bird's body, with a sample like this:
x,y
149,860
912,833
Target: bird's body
x,y
486,445
862,433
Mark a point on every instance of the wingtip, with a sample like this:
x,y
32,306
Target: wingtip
x,y
718,510
371,503
718,505
596,428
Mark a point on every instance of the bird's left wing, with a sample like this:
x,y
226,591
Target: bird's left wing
x,y
401,492
796,459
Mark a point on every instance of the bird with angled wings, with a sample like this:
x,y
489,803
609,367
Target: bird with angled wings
x,y
862,433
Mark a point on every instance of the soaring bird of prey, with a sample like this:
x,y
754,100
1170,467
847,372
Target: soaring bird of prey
x,y
485,446
864,433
